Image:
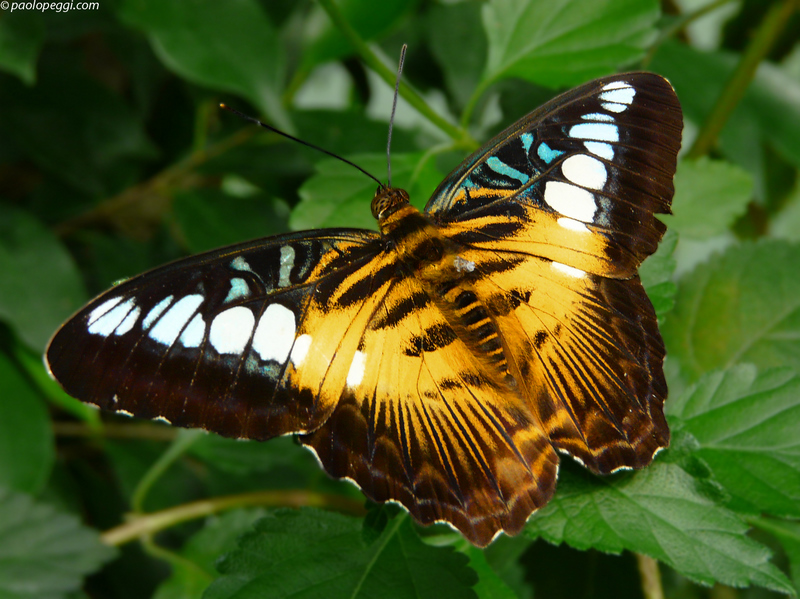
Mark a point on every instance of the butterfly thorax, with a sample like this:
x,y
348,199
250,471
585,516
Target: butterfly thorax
x,y
416,240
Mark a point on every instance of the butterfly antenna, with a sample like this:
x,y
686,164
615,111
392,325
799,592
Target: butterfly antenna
x,y
391,118
300,141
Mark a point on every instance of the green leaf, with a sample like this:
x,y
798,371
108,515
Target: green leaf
x,y
768,112
773,102
506,556
747,426
371,20
253,457
210,218
709,196
132,461
490,585
460,48
788,535
740,306
661,512
219,535
73,127
26,437
339,196
656,274
44,554
40,286
230,46
565,42
21,38
312,553
786,223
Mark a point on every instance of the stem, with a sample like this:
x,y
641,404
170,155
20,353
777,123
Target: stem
x,y
766,34
767,525
180,173
178,447
151,431
466,116
385,73
177,561
651,577
149,524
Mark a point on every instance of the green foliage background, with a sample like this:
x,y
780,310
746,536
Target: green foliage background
x,y
115,158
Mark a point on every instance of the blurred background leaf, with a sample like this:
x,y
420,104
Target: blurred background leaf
x,y
114,158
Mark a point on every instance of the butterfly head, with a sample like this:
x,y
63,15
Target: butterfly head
x,y
387,201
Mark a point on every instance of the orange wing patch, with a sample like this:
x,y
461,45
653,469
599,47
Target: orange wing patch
x,y
424,423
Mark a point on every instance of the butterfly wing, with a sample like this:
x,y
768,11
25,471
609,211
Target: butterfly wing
x,y
557,213
327,335
214,341
421,423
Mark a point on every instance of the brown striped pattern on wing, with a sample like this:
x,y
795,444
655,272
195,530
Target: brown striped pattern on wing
x,y
586,353
425,425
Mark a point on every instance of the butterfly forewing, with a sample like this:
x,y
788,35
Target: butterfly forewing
x,y
442,363
213,341
598,159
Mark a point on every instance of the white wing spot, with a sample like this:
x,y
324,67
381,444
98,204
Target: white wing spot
x,y
107,320
192,335
275,333
170,325
585,171
598,131
614,107
573,225
130,320
161,419
620,95
287,263
230,330
300,349
570,201
598,116
102,309
357,369
239,263
153,314
239,290
568,270
601,149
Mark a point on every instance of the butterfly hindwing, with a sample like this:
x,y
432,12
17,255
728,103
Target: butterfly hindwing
x,y
557,213
587,354
424,425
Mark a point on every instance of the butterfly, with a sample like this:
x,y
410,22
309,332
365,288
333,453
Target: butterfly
x,y
444,362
